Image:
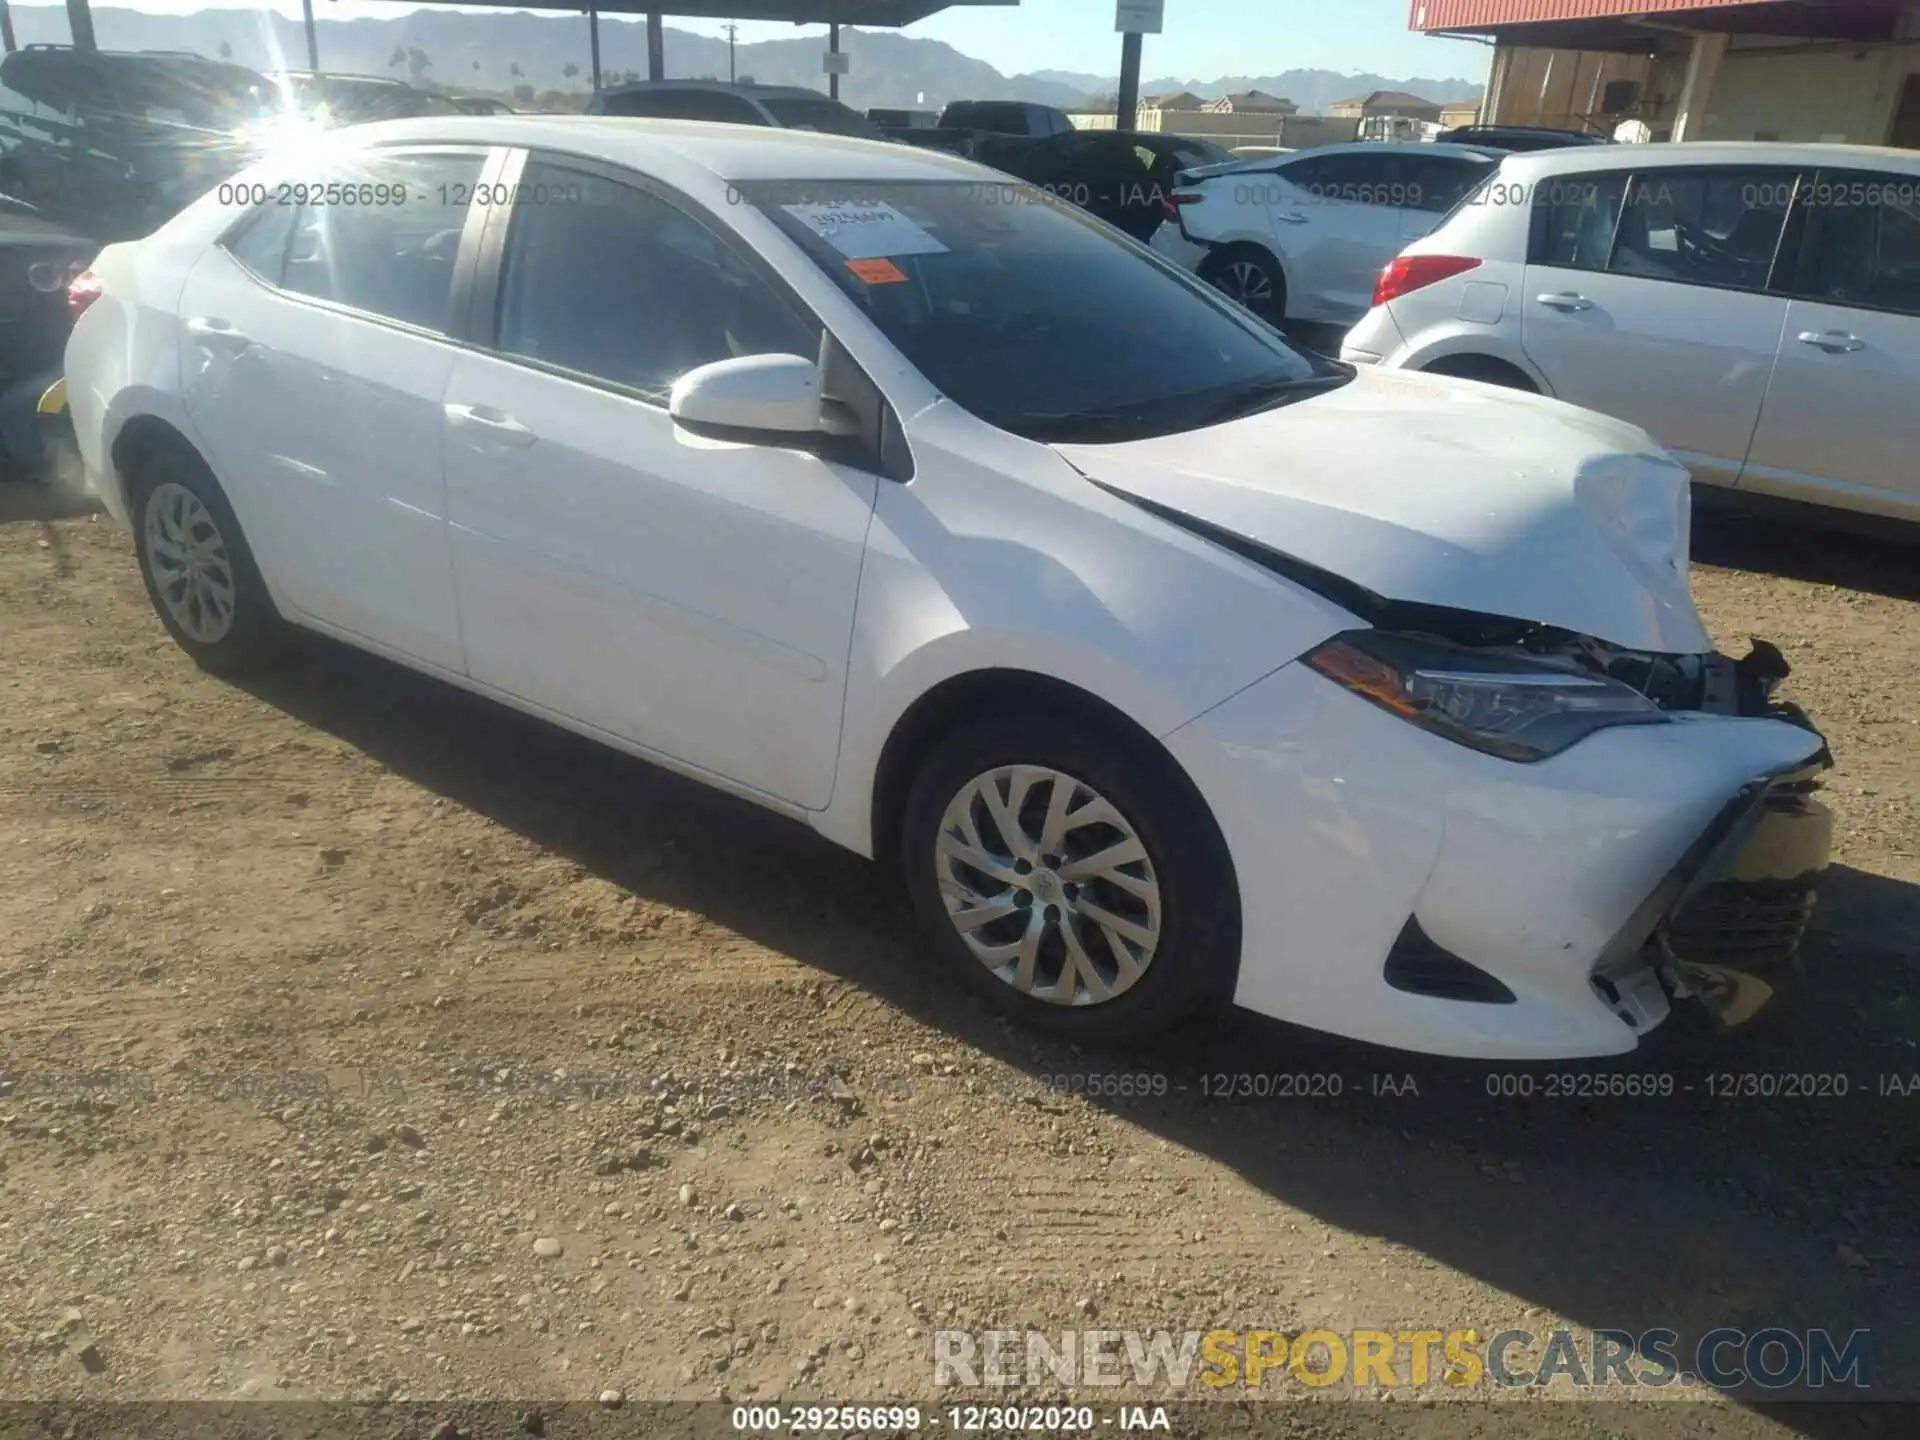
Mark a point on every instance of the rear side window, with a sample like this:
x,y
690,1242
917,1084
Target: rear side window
x,y
1704,227
1353,179
387,258
1438,184
1575,218
1865,241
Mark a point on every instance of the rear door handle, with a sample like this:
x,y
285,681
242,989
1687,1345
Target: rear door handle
x,y
500,428
1834,342
212,333
1566,301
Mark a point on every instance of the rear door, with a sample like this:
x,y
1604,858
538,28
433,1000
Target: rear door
x,y
1336,223
1647,297
1841,424
314,355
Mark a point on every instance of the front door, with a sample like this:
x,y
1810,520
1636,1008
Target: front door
x,y
1646,297
314,359
692,596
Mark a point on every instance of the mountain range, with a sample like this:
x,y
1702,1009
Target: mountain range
x,y
496,52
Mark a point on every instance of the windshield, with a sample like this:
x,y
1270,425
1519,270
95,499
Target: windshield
x,y
1035,317
827,116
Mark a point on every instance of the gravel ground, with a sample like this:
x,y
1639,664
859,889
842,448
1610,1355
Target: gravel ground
x,y
364,1040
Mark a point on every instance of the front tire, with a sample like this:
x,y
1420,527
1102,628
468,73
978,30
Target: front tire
x,y
1072,879
197,567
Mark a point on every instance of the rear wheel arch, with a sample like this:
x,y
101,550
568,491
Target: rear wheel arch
x,y
1489,369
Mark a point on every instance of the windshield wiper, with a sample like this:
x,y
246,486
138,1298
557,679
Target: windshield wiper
x,y
1271,394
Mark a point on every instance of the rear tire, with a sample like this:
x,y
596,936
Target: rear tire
x,y
1111,913
198,569
1250,275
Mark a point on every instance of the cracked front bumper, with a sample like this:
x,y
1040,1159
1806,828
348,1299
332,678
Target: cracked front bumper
x,y
1560,880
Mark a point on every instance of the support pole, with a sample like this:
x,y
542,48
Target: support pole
x,y
1129,108
656,47
833,48
80,22
6,27
313,40
593,41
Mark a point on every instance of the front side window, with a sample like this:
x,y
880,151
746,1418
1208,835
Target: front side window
x,y
1704,227
357,245
1866,250
1575,217
1033,316
609,282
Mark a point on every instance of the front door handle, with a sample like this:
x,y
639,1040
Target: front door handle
x,y
1834,342
1292,218
1566,301
212,333
498,427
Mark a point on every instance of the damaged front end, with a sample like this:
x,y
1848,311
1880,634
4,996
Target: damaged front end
x,y
1726,926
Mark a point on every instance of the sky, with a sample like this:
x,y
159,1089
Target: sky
x,y
1203,39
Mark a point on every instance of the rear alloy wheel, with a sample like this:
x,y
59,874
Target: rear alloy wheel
x,y
1251,277
198,570
1068,883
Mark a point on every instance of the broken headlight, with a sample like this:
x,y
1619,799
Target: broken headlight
x,y
1501,704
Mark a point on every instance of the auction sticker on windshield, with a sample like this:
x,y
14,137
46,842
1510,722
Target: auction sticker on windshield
x,y
878,271
866,230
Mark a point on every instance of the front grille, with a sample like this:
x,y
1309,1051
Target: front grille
x,y
1742,924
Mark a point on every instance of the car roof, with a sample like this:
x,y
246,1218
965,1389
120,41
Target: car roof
x,y
725,87
694,154
1711,152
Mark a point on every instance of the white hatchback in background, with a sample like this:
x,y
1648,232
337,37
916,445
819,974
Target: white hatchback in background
x,y
1303,237
1755,306
1168,663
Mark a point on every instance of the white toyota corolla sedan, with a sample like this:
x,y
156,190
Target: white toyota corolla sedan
x,y
1169,664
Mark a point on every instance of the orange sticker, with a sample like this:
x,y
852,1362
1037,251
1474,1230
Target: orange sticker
x,y
878,272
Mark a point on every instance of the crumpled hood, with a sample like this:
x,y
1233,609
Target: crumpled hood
x,y
1445,492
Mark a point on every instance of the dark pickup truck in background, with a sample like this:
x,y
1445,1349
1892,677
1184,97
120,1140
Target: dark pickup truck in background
x,y
1123,176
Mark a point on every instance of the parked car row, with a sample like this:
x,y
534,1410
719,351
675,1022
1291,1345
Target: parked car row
x,y
1756,307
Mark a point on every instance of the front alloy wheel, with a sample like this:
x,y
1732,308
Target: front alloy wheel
x,y
1068,873
1049,885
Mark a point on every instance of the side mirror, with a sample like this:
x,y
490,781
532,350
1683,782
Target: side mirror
x,y
755,396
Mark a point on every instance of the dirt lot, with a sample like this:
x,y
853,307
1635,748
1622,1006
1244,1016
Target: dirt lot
x,y
364,1040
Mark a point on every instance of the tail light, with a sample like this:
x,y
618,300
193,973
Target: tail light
x,y
82,291
1415,272
1173,202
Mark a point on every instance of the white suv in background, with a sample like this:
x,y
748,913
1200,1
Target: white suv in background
x,y
1755,306
1303,237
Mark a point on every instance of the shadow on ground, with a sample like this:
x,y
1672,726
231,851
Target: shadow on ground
x,y
1684,1210
1806,543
